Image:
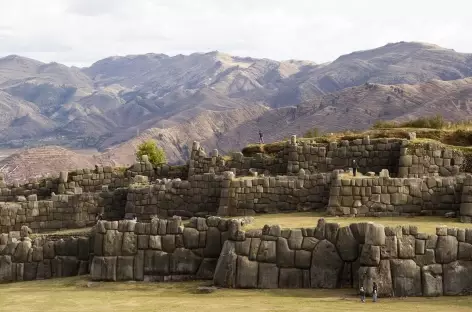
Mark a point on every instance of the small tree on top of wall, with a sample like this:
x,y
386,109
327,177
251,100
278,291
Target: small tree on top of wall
x,y
156,155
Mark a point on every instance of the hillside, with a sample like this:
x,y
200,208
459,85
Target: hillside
x,y
223,100
36,162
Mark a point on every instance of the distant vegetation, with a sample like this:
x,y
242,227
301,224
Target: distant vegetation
x,y
312,133
435,122
156,155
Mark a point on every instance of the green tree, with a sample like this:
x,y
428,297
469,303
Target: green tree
x,y
156,155
312,133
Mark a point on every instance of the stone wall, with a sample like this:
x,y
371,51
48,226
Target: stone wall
x,y
42,188
429,159
371,155
62,211
24,259
400,260
161,250
198,196
388,197
248,196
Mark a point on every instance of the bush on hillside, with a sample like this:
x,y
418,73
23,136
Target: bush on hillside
x,y
312,133
435,122
156,155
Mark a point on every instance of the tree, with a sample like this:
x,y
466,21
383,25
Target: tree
x,y
312,133
156,155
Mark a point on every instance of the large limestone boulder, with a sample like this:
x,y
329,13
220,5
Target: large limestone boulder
x,y
207,269
125,268
446,249
370,255
130,244
432,280
347,245
406,277
406,247
375,234
191,238
21,251
390,249
381,275
326,266
465,251
102,269
184,262
6,267
290,278
285,256
268,276
213,243
247,273
267,251
156,262
457,277
225,271
359,231
112,243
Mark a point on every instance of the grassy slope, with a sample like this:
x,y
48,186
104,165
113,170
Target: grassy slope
x,y
452,137
71,294
310,219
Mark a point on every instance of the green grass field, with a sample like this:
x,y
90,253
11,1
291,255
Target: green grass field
x,y
310,219
72,294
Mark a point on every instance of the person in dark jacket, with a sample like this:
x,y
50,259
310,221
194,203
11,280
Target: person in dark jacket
x,y
362,293
374,292
354,167
98,217
261,137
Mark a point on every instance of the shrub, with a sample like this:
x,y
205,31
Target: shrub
x,y
435,122
312,133
156,155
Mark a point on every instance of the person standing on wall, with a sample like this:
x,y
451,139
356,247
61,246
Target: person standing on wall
x,y
374,292
354,167
261,137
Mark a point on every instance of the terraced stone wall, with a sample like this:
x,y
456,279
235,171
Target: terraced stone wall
x,y
26,259
371,155
400,260
197,196
162,250
62,211
389,197
417,161
42,188
251,195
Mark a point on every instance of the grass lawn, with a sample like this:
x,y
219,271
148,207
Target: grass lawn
x,y
310,219
71,294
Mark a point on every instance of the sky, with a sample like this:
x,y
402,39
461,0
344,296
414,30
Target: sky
x,y
80,32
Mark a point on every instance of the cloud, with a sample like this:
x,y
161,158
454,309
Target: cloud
x,y
79,32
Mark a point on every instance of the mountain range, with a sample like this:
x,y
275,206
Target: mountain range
x,y
223,100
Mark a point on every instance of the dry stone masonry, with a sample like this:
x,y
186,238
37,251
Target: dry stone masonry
x,y
161,250
400,260
387,197
24,259
400,178
302,175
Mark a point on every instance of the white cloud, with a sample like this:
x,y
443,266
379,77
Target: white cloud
x,y
79,32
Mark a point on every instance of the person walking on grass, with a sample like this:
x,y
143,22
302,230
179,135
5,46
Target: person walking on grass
x,y
362,293
261,137
354,167
374,292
